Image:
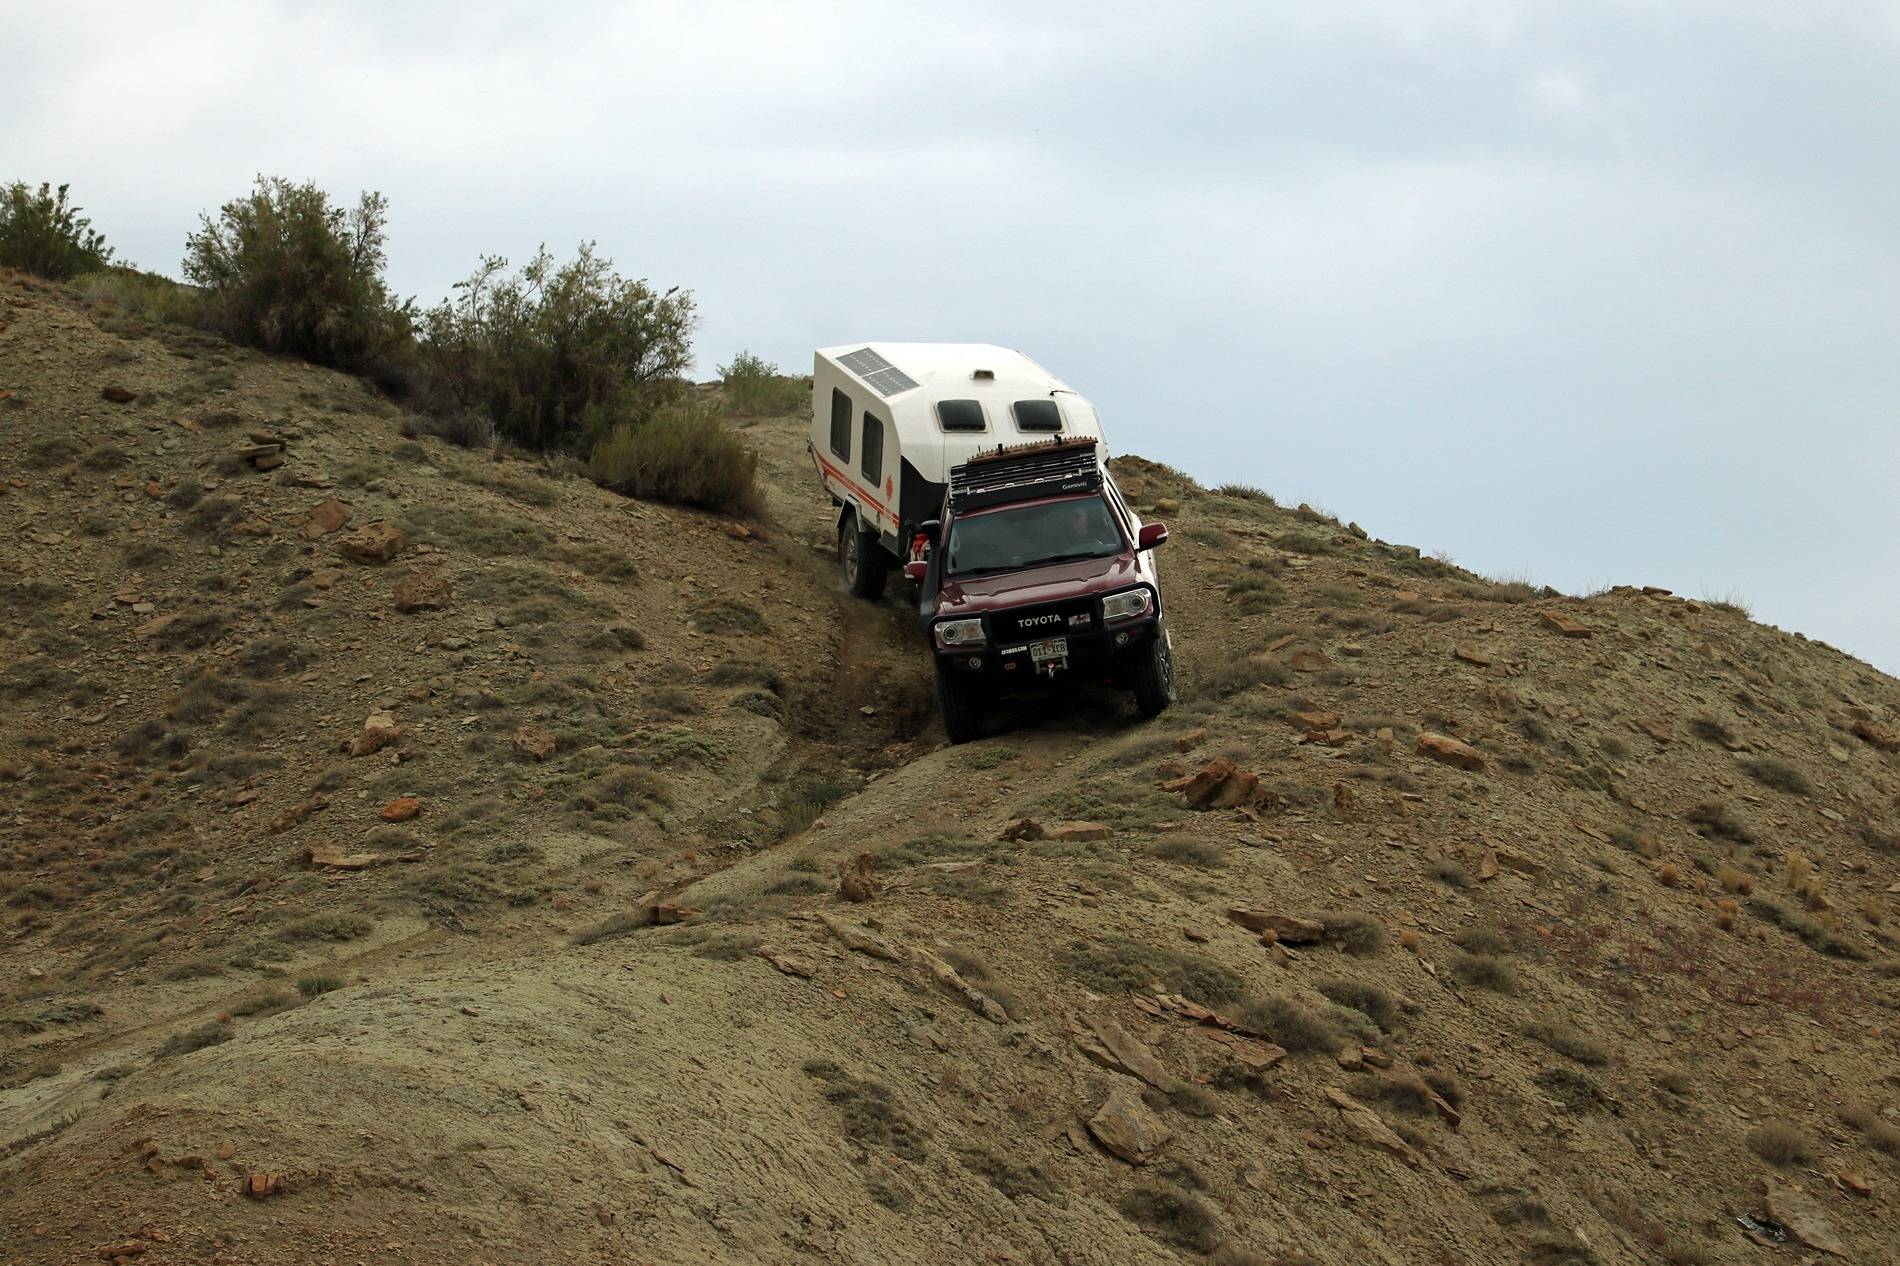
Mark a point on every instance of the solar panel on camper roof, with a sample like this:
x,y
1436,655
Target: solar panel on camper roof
x,y
885,378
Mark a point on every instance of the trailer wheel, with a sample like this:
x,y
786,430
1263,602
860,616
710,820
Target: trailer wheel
x,y
961,703
863,559
1154,676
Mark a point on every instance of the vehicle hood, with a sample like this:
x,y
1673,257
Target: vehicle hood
x,y
1029,586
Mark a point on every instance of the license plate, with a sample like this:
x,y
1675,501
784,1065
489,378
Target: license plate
x,y
1055,650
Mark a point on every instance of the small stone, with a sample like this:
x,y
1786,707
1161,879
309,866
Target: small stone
x,y
424,591
294,814
116,394
1471,655
856,882
379,731
260,1185
375,544
533,741
1191,740
401,809
1309,661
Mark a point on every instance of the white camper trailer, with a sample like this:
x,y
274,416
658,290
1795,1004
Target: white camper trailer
x,y
889,420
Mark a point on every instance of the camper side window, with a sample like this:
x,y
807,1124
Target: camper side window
x,y
871,450
840,423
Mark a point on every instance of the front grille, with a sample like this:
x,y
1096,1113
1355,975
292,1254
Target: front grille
x,y
1054,619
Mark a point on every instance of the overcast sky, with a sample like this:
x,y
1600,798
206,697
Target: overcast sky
x,y
1595,293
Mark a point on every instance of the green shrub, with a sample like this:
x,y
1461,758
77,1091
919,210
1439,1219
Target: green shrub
x,y
555,355
683,454
754,385
148,296
43,233
284,270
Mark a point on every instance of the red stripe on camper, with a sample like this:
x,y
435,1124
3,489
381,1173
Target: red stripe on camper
x,y
883,510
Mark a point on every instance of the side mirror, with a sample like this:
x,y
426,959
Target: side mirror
x,y
916,570
1152,534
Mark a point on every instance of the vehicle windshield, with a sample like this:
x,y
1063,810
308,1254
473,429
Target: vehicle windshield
x,y
1031,535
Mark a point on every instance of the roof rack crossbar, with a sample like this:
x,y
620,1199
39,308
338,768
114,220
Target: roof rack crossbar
x,y
1022,471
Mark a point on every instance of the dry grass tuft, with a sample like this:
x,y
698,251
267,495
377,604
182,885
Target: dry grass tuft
x,y
1881,1133
1290,1023
1173,1216
1482,971
1771,771
1567,1039
1376,1002
1781,1143
1353,932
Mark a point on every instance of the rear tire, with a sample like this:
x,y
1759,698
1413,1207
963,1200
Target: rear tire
x,y
961,703
863,558
1154,676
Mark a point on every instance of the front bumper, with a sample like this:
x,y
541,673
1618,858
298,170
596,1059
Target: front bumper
x,y
1097,656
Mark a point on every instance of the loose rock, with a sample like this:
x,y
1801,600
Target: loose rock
x,y
401,809
1442,747
324,518
424,591
379,731
1127,1127
533,740
377,543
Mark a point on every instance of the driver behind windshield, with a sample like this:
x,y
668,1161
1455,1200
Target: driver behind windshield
x,y
1028,536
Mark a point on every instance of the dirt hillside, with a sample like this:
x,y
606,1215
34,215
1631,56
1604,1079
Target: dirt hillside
x,y
417,854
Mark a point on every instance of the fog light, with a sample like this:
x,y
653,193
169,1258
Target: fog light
x,y
1121,639
976,661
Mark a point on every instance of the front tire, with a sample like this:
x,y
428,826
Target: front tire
x,y
863,559
1154,676
962,706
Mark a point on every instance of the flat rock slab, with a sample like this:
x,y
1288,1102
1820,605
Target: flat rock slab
x,y
1364,1124
1286,928
1562,625
1802,1215
1450,751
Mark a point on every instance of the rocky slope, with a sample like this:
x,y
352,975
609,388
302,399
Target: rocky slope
x,y
417,854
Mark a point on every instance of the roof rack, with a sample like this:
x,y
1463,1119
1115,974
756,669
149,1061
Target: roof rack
x,y
1021,472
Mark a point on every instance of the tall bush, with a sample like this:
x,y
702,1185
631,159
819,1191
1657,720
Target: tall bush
x,y
681,453
284,270
557,355
754,385
44,233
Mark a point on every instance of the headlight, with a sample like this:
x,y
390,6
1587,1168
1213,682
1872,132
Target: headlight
x,y
960,633
1127,604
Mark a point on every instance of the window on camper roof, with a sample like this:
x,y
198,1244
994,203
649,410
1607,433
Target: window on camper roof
x,y
1037,415
871,450
840,423
961,415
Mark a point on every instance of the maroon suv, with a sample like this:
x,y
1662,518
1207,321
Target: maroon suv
x,y
1039,574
